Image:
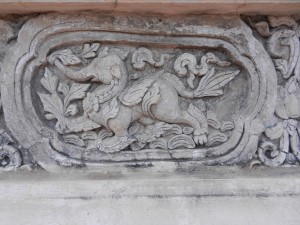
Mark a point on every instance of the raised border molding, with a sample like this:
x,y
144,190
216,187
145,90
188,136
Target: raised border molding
x,y
160,195
270,7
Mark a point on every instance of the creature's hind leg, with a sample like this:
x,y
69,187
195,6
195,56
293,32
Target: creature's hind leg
x,y
199,123
168,110
195,118
192,117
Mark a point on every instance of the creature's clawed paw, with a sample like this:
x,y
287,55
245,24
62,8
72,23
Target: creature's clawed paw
x,y
200,139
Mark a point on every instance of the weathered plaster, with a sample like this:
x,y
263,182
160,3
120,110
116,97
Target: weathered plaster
x,y
264,7
164,119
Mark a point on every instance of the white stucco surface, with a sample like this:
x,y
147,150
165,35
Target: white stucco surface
x,y
209,196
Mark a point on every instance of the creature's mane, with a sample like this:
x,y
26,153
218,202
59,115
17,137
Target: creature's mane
x,y
107,92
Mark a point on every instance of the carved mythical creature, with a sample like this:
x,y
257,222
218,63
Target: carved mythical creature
x,y
116,105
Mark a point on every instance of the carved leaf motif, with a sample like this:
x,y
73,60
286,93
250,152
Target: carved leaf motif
x,y
226,126
60,126
52,104
66,56
49,81
104,133
159,143
72,110
176,129
73,139
110,145
275,132
77,91
160,128
135,146
63,88
211,83
79,124
49,116
213,121
103,53
152,133
110,111
216,138
89,50
181,140
89,135
187,130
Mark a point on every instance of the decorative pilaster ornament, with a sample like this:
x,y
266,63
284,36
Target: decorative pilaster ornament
x,y
116,91
10,157
281,143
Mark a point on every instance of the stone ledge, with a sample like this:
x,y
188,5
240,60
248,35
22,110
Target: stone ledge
x,y
139,182
208,196
276,7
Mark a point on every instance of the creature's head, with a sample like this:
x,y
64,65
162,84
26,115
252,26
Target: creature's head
x,y
108,69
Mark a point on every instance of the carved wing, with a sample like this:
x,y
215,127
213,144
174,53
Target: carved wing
x,y
134,95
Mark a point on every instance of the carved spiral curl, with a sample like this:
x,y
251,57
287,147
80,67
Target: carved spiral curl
x,y
269,155
10,158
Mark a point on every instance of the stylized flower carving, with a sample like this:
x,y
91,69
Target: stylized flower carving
x,y
287,130
91,103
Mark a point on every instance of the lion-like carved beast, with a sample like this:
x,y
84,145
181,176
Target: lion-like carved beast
x,y
115,106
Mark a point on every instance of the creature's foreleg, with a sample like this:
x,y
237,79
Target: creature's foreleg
x,y
120,124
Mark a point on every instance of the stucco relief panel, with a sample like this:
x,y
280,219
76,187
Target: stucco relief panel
x,y
105,91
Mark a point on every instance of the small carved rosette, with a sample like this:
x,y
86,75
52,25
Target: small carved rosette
x,y
90,90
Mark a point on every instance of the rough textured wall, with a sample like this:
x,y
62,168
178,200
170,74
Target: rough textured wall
x,y
113,91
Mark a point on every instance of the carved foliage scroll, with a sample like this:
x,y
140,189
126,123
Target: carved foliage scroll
x,y
282,145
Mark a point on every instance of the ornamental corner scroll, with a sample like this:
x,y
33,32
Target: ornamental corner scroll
x,y
95,91
280,142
